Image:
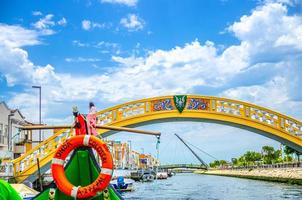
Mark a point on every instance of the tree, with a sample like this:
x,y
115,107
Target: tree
x,y
235,161
242,161
268,154
223,162
288,158
215,164
277,156
289,151
251,157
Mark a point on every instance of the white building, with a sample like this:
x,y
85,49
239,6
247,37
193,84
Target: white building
x,y
11,139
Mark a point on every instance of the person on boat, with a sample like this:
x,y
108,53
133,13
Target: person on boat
x,y
7,192
91,120
79,120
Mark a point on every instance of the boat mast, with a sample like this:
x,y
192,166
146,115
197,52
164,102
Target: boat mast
x,y
200,160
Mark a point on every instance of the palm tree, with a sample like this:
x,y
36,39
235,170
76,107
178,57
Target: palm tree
x,y
289,151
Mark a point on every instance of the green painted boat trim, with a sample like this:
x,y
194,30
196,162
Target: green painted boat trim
x,y
7,192
82,169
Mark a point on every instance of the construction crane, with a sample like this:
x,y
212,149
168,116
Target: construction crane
x,y
198,158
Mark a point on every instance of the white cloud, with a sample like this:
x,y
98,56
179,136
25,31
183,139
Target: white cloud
x,y
271,39
128,62
88,25
124,2
275,89
37,13
132,22
62,22
289,2
18,69
103,46
81,59
80,44
14,60
17,36
273,94
269,28
45,23
181,69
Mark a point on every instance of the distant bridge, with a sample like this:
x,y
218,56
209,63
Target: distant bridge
x,y
183,166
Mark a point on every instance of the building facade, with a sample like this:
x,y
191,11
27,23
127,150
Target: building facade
x,y
126,158
11,138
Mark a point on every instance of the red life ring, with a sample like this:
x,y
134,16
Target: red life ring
x,y
102,181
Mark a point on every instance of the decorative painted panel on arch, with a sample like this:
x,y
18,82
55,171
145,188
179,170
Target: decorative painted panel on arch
x,y
198,104
162,105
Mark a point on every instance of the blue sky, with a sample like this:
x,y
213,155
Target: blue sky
x,y
113,51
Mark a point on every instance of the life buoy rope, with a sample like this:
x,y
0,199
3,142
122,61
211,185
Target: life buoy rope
x,y
102,180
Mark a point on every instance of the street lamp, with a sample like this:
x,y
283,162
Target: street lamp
x,y
130,154
9,132
39,87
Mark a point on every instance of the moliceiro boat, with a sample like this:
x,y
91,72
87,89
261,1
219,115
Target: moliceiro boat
x,y
81,170
82,177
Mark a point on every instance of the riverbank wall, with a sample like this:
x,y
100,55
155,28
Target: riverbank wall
x,y
284,175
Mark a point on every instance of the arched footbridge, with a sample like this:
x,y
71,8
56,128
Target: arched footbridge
x,y
230,112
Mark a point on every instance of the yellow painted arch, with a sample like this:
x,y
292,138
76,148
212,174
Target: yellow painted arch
x,y
235,113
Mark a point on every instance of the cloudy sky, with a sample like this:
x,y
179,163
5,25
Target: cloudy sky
x,y
113,51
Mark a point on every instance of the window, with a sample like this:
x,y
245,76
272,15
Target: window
x,y
1,136
1,129
5,131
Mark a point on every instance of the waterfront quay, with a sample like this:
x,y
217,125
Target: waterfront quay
x,y
276,173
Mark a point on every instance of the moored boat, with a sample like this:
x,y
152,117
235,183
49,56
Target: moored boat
x,y
144,175
162,175
123,185
147,178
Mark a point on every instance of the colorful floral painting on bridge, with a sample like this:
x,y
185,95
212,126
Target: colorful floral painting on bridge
x,y
162,104
198,104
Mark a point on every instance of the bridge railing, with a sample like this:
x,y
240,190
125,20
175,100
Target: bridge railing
x,y
21,166
221,106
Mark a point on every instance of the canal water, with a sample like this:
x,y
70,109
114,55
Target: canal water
x,y
194,186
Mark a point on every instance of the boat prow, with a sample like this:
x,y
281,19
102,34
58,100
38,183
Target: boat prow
x,y
82,169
